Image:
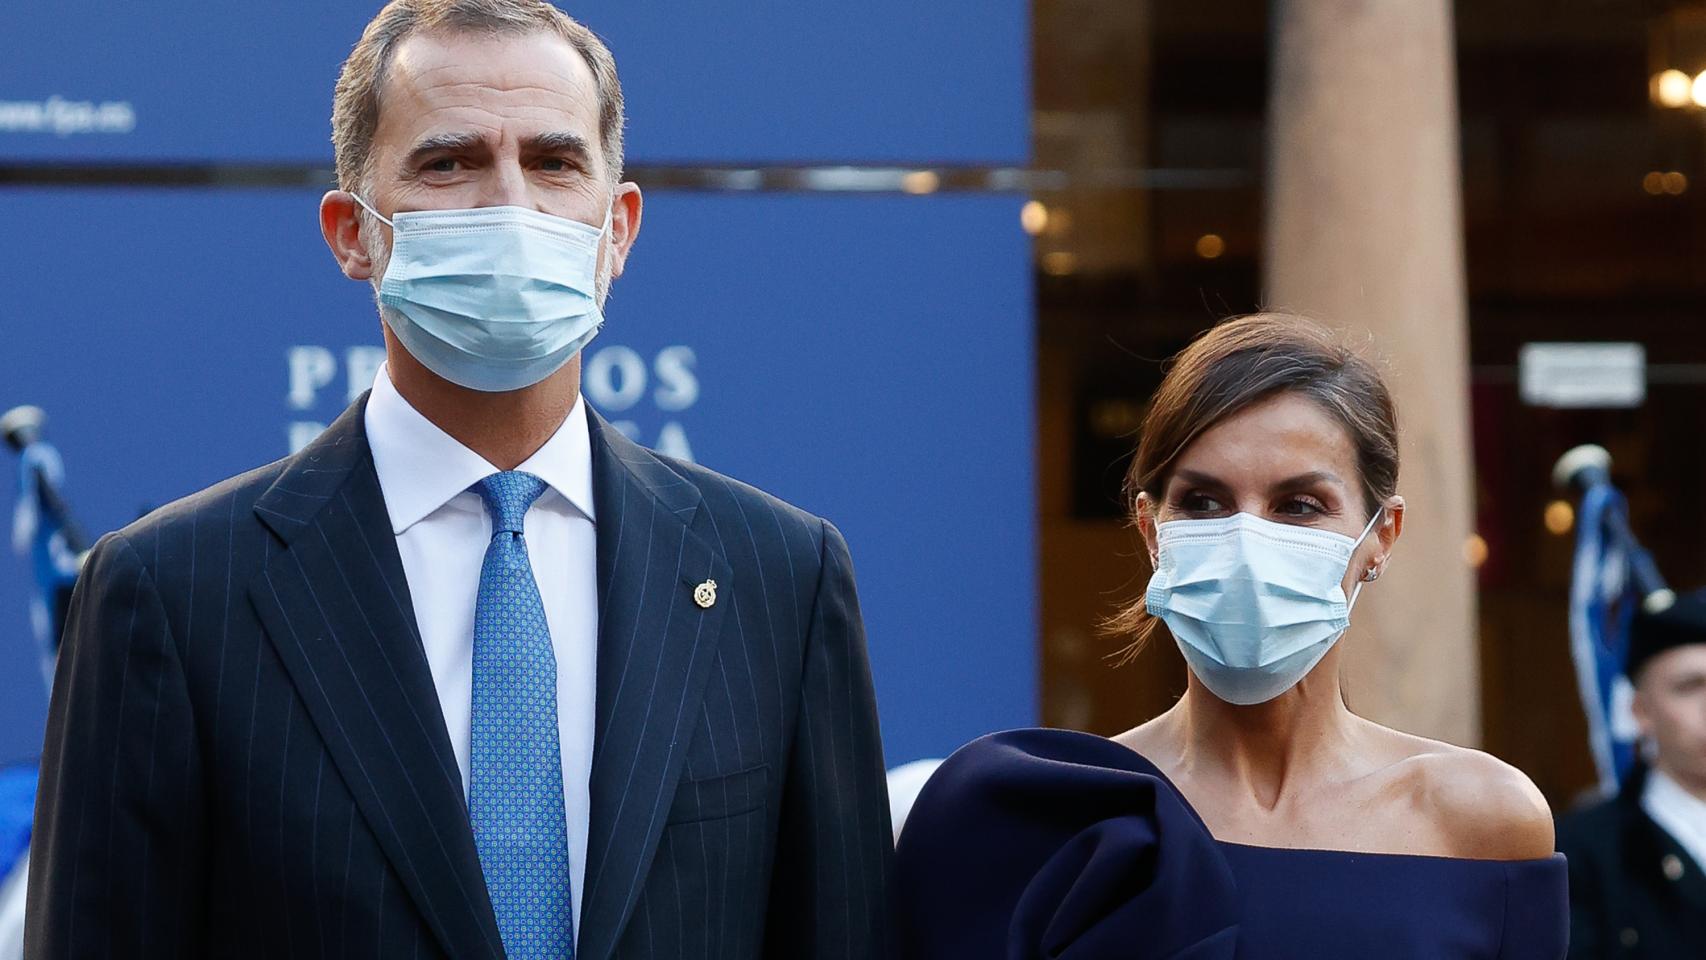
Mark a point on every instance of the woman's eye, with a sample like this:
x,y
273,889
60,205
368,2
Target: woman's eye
x,y
1198,503
1301,507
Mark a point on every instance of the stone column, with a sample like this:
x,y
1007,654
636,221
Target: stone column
x,y
1364,231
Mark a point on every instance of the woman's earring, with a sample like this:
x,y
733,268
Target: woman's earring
x,y
1372,575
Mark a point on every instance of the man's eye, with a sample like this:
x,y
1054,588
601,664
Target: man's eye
x,y
442,165
556,165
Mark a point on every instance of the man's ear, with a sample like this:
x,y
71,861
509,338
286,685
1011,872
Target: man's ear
x,y
626,206
340,224
1146,527
1642,713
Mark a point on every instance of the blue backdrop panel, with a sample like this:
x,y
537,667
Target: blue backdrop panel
x,y
707,81
866,357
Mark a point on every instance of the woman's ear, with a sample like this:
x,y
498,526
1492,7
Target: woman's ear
x,y
1146,527
1386,533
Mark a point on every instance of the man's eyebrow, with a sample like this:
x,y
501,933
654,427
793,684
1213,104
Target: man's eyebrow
x,y
557,142
442,142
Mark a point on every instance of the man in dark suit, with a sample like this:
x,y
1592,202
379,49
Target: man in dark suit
x,y
1636,886
472,675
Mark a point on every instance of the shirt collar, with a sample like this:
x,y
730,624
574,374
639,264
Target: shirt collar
x,y
1680,813
421,468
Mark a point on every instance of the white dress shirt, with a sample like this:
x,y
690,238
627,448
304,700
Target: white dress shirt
x,y
1680,813
442,530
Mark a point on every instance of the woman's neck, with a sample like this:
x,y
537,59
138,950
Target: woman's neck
x,y
1302,735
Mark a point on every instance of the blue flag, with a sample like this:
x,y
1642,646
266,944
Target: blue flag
x,y
39,534
17,800
1603,599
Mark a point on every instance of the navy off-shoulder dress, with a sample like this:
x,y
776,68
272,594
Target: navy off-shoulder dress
x,y
1054,845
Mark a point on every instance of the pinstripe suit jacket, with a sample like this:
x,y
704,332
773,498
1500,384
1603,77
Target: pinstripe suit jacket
x,y
245,755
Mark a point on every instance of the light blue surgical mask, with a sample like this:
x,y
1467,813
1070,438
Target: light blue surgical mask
x,y
1253,604
492,298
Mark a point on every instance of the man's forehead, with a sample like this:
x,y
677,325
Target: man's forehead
x,y
1689,658
492,78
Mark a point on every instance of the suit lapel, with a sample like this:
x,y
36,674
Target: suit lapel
x,y
655,647
335,603
1656,856
1669,865
1690,881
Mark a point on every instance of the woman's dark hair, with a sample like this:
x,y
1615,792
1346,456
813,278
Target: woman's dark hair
x,y
1235,365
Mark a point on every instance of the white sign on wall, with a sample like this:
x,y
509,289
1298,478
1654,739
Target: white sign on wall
x,y
616,379
1578,375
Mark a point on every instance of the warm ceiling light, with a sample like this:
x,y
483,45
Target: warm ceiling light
x,y
1697,89
1210,245
1672,88
1033,216
1475,550
1560,517
1653,182
1674,182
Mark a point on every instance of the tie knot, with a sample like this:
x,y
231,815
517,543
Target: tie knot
x,y
507,496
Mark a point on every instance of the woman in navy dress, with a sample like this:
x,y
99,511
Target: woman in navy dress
x,y
1258,818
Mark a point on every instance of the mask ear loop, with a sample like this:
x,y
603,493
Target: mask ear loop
x,y
609,215
1356,591
369,209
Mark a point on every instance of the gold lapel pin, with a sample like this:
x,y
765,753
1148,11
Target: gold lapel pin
x,y
705,594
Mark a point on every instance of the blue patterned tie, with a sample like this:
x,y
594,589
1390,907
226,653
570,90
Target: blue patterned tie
x,y
515,781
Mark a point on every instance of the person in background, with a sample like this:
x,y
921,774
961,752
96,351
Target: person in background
x,y
1258,818
1637,889
472,675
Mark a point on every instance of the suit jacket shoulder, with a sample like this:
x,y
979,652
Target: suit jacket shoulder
x,y
1590,830
757,513
161,537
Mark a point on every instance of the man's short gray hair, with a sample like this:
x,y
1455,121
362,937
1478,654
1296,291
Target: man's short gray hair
x,y
355,105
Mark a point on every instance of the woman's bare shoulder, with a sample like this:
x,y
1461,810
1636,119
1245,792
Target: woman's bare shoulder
x,y
1485,808
1156,740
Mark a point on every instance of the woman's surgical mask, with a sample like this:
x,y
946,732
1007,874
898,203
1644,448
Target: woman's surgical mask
x,y
492,298
1253,604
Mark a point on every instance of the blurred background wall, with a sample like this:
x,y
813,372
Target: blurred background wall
x,y
1582,188
831,299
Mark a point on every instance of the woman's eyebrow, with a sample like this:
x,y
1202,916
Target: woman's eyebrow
x,y
1198,479
1307,479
